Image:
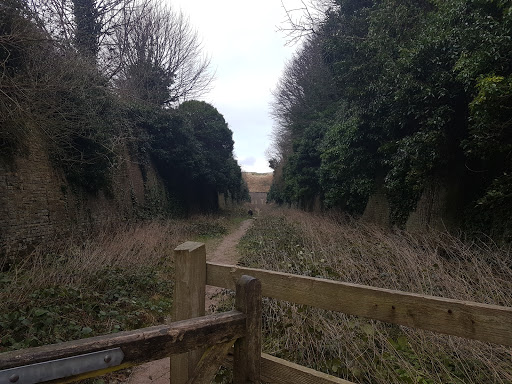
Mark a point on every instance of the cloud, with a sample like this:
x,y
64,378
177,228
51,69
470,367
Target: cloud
x,y
248,56
260,165
248,161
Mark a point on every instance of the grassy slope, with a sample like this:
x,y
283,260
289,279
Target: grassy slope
x,y
368,351
258,182
119,279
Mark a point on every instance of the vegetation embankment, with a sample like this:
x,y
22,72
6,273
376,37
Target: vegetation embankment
x,y
258,182
119,278
400,96
98,83
365,351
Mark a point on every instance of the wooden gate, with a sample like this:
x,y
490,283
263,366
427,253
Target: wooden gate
x,y
95,356
186,338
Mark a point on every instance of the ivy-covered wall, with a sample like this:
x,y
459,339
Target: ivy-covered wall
x,y
37,204
416,94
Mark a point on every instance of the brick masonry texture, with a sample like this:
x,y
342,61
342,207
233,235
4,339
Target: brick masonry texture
x,y
37,204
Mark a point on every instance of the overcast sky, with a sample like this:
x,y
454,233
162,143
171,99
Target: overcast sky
x,y
248,56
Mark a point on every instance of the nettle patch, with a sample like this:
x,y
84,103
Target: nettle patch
x,y
111,301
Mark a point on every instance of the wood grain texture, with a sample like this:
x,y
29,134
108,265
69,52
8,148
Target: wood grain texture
x,y
189,299
483,322
279,371
210,363
275,370
247,355
141,345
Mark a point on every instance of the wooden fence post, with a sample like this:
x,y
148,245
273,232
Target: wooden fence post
x,y
189,300
247,358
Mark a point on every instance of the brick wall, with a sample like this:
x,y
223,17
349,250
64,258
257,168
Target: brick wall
x,y
37,204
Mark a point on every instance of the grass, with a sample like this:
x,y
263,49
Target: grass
x,y
258,182
367,351
119,278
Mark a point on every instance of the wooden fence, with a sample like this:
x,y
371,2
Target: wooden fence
x,y
487,323
483,322
96,356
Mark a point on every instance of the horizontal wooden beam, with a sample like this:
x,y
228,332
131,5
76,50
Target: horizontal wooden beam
x,y
279,371
141,345
275,370
483,322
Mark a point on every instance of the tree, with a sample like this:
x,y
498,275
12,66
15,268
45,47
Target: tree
x,y
306,20
50,91
192,148
422,94
150,51
160,56
304,89
16,35
54,96
88,26
215,141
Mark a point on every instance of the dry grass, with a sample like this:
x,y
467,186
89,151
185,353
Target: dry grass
x,y
74,260
258,182
369,351
118,278
125,246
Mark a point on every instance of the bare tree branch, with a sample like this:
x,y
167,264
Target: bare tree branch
x,y
305,87
304,21
58,19
161,52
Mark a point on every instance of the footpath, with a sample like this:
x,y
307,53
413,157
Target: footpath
x,y
158,372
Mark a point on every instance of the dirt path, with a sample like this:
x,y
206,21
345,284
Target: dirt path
x,y
157,372
225,253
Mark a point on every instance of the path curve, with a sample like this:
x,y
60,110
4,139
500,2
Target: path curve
x,y
158,371
226,252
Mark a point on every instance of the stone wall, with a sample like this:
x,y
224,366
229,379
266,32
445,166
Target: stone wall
x,y
37,204
377,209
258,198
438,207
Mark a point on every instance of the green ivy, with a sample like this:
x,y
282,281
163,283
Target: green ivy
x,y
112,301
422,94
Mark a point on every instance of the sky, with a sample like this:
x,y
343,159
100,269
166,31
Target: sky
x,y
248,55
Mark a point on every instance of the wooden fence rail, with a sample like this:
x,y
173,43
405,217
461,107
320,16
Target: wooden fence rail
x,y
483,322
487,323
141,345
71,361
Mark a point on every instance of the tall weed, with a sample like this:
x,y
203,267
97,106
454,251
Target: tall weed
x,y
366,351
118,278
